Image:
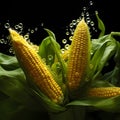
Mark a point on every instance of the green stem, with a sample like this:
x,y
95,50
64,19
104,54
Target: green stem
x,y
115,33
74,113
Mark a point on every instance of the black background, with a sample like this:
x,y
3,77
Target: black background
x,y
56,15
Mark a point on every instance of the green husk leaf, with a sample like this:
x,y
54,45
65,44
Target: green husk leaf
x,y
49,105
46,51
113,76
8,62
102,83
56,48
103,50
101,25
50,33
106,104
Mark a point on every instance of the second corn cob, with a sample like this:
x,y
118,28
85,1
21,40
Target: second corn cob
x,y
104,92
79,55
34,67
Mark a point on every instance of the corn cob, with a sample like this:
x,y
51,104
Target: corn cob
x,y
79,55
104,92
34,68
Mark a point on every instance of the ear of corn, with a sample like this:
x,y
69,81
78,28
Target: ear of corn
x,y
34,67
79,55
104,92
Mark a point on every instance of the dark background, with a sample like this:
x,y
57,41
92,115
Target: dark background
x,y
56,15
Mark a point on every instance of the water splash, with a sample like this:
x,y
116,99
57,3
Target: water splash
x,y
89,15
5,43
28,32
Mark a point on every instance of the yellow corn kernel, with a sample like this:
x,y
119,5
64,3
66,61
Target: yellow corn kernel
x,y
36,47
34,68
104,92
79,55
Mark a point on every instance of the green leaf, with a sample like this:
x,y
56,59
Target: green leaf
x,y
117,55
109,51
56,48
95,60
46,51
106,104
101,83
113,76
50,33
49,105
103,50
8,62
101,25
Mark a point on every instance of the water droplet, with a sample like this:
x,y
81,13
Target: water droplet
x,y
29,29
26,37
42,24
20,25
67,46
20,29
92,23
93,28
36,29
71,25
11,50
58,65
91,2
70,38
74,22
82,14
78,20
50,57
72,31
64,41
5,42
91,53
62,50
16,27
67,33
88,19
32,31
7,25
84,8
87,14
2,41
